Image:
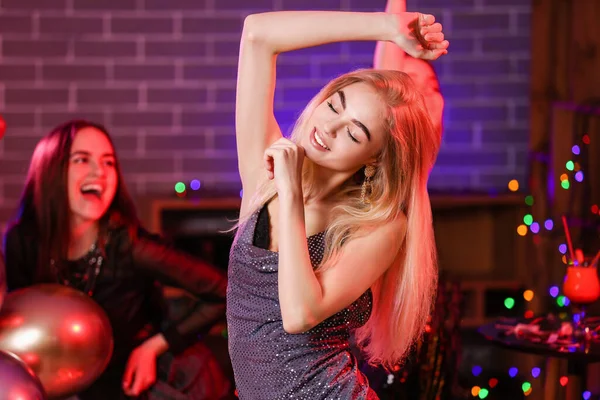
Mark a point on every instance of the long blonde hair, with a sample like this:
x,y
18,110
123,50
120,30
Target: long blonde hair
x,y
403,295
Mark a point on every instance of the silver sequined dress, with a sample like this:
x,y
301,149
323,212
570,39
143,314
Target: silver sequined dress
x,y
271,364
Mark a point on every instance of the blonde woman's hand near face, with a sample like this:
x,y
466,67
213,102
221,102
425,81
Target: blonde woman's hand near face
x,y
419,35
283,162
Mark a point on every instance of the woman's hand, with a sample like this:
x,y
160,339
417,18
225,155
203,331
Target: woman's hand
x,y
419,35
283,162
140,373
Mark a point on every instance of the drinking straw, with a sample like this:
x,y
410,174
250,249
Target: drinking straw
x,y
595,260
569,242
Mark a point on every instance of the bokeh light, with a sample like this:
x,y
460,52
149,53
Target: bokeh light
x,y
570,165
564,380
195,184
180,187
585,139
513,185
529,200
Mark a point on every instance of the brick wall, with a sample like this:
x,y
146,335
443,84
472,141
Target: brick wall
x,y
161,75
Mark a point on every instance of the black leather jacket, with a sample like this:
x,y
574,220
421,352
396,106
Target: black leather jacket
x,y
128,287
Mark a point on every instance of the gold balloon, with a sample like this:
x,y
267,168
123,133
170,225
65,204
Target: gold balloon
x,y
60,333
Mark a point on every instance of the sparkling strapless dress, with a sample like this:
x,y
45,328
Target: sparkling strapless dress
x,y
270,363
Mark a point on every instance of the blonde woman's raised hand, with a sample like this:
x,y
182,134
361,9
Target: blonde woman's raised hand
x,y
419,35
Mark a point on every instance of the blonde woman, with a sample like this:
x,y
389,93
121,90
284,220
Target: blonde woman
x,y
336,231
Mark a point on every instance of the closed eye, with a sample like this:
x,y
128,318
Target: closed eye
x,y
355,140
331,107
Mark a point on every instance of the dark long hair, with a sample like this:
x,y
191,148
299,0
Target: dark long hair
x,y
44,205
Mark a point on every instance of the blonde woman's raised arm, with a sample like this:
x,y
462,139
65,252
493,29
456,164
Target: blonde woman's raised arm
x,y
268,34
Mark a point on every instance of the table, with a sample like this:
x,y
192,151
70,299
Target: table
x,y
577,358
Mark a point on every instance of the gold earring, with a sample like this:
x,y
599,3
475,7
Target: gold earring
x,y
366,189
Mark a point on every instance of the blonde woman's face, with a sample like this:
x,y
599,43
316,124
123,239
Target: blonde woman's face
x,y
346,131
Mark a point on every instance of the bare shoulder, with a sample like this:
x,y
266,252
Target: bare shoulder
x,y
395,229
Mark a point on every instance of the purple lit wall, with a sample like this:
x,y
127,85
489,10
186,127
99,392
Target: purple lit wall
x,y
161,75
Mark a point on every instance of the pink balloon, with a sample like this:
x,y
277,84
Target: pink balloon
x,y
17,380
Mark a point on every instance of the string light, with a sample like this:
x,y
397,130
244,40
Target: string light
x,y
562,301
195,184
535,372
554,291
528,314
535,227
493,382
564,380
565,183
476,370
180,187
513,371
562,248
564,177
526,386
529,200
483,393
585,139
528,295
509,302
